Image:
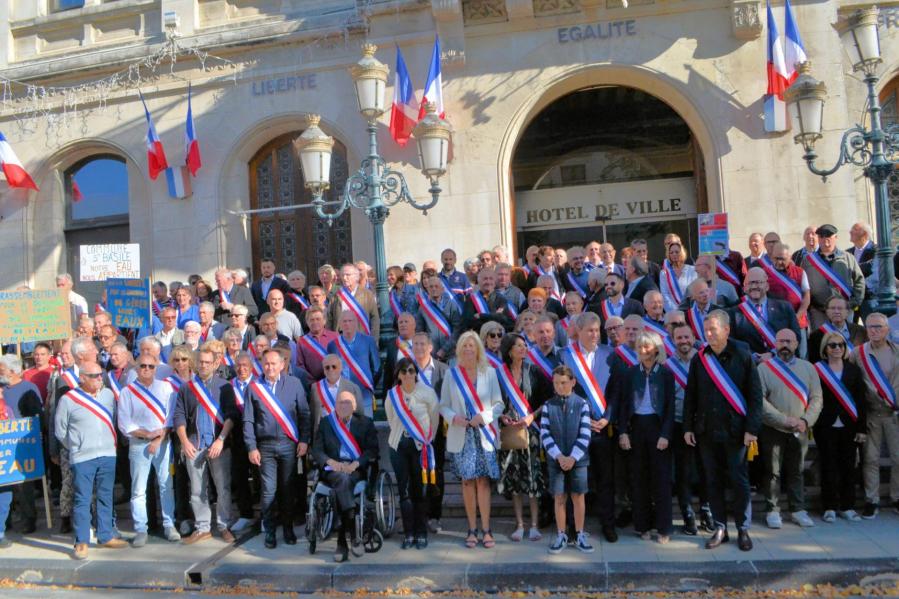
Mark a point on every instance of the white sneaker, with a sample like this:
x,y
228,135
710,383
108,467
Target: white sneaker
x,y
829,516
773,520
802,519
242,523
850,515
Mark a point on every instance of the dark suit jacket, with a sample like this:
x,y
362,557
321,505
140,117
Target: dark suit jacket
x,y
780,316
646,284
260,425
472,321
256,291
629,390
327,444
186,406
631,306
708,413
831,407
239,295
857,336
438,375
866,262
393,356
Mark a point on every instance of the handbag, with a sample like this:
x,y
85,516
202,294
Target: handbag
x,y
512,438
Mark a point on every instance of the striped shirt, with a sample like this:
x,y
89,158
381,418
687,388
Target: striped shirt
x,y
567,408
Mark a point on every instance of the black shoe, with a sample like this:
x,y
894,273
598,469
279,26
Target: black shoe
x,y
342,554
690,524
743,540
706,521
624,518
421,543
870,511
65,525
29,526
718,537
407,543
357,548
290,538
270,541
609,533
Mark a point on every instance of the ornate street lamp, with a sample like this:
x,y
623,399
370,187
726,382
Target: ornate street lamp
x,y
375,187
875,149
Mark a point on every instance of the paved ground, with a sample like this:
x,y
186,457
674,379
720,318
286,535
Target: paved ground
x,y
840,553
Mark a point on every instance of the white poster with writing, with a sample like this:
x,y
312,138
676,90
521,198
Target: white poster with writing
x,y
115,260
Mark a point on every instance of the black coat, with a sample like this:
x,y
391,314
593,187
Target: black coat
x,y
186,406
256,291
853,379
645,285
327,444
629,390
857,336
780,316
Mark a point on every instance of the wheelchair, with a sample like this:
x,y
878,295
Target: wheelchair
x,y
375,511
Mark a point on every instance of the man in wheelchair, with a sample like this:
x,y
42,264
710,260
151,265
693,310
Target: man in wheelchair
x,y
345,448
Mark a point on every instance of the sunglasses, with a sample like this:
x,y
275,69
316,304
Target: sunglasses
x,y
149,366
331,367
494,335
835,345
180,360
92,375
410,370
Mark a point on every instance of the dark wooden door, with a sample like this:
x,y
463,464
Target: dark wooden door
x,y
295,239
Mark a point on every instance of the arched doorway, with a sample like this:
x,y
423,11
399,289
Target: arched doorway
x,y
607,162
295,239
889,100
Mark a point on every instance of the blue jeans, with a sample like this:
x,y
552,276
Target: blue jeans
x,y
99,471
141,462
5,502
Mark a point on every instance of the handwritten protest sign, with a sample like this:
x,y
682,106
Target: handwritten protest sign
x,y
119,260
36,315
713,237
128,300
21,451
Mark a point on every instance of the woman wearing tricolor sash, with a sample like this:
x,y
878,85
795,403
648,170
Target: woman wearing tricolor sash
x,y
470,401
413,414
840,428
524,391
675,277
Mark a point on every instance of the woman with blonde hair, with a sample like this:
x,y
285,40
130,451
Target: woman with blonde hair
x,y
491,336
471,403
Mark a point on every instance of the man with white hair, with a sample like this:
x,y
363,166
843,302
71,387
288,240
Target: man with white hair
x,y
22,400
206,311
230,294
353,296
500,254
77,303
864,250
192,331
151,346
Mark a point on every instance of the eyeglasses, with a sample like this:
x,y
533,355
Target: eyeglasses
x,y
92,375
147,366
235,315
180,359
331,367
677,324
835,345
410,370
494,335
874,326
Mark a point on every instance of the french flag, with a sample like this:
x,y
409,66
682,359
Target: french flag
x,y
795,50
156,161
434,86
778,80
192,144
402,115
16,175
178,180
77,196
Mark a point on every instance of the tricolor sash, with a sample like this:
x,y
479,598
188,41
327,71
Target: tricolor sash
x,y
347,440
723,382
415,430
157,308
239,392
673,285
457,293
517,399
829,328
224,296
565,322
114,385
204,333
479,303
824,269
69,377
678,370
654,327
432,313
473,404
350,360
725,272
424,378
298,299
539,360
875,373
395,306
84,399
627,355
325,397
588,382
512,310
494,360
793,290
310,342
839,390
227,360
405,348
175,381
261,390
608,310
758,323
526,269
257,366
204,398
695,320
156,407
352,304
575,287
789,379
98,307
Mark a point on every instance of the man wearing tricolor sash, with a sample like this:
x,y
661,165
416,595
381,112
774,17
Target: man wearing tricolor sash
x,y
361,361
276,430
786,281
84,424
514,296
146,408
344,449
792,401
879,362
325,391
831,271
723,416
758,317
204,417
401,347
484,305
837,320
588,360
240,462
354,297
614,303
311,347
439,315
574,277
229,295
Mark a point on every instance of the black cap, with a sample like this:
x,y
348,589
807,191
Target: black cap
x,y
409,267
826,231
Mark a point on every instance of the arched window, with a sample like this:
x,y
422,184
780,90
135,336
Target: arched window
x,y
96,197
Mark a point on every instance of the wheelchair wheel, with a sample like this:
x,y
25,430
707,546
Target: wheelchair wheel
x,y
374,542
312,528
385,504
324,519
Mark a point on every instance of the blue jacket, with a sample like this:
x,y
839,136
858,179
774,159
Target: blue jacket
x,y
601,372
260,425
661,393
365,350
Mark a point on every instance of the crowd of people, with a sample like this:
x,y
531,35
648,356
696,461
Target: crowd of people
x,y
587,378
